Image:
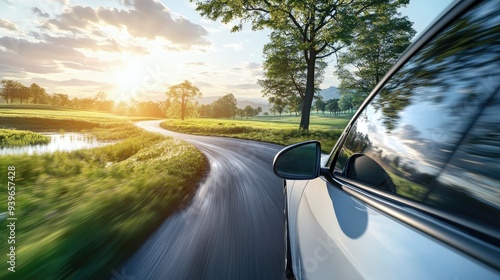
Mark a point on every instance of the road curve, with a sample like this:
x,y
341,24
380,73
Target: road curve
x,y
233,228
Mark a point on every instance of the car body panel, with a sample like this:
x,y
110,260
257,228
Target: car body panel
x,y
341,237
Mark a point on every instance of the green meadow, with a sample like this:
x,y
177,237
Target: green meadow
x,y
273,129
80,214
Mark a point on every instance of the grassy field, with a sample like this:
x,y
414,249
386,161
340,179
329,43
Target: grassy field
x,y
274,129
80,214
11,138
36,117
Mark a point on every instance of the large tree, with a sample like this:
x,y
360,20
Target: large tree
x,y
320,28
381,38
182,95
285,72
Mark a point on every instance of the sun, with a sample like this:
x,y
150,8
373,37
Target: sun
x,y
129,77
129,81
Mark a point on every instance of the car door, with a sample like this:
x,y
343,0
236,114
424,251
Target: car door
x,y
413,188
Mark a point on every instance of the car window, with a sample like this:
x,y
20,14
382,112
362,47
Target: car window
x,y
434,127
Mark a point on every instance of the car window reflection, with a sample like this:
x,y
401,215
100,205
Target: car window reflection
x,y
435,126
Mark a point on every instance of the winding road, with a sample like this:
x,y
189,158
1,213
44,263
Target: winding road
x,y
233,228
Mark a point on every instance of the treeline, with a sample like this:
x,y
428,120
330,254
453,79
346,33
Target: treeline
x,y
226,107
14,91
179,104
333,106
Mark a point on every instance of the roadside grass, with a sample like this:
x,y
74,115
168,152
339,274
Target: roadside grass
x,y
11,138
80,214
273,129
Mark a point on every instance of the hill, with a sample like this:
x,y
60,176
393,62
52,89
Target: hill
x,y
330,93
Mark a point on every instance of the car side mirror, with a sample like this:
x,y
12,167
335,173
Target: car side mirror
x,y
301,161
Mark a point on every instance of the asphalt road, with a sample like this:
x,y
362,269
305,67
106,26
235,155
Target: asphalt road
x,y
233,228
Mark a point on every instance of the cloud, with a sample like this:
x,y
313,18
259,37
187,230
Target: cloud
x,y
39,12
9,25
74,83
143,19
95,44
252,65
203,84
14,65
40,50
244,86
88,86
197,63
46,57
253,69
234,46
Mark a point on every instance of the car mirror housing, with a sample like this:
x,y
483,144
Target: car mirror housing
x,y
300,161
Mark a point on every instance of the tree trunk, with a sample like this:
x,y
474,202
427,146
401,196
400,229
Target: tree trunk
x,y
308,98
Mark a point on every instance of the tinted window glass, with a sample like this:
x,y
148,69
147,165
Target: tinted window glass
x,y
434,128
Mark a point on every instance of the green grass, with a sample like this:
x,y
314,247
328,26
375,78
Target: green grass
x,y
273,129
47,118
12,138
81,214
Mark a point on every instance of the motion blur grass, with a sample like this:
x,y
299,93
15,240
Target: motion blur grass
x,y
80,214
273,129
12,138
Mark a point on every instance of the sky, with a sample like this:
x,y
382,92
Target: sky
x,y
138,48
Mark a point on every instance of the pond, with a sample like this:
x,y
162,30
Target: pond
x,y
58,142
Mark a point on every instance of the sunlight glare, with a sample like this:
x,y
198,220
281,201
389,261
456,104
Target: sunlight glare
x,y
129,77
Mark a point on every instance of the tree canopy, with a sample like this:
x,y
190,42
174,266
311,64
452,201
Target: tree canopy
x,y
181,97
319,28
381,38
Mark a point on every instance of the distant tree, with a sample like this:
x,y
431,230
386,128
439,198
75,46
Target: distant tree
x,y
278,105
332,105
23,93
294,105
206,111
258,110
38,94
122,108
59,99
150,109
240,112
75,103
182,95
320,105
87,103
10,90
101,103
346,102
100,96
249,111
225,107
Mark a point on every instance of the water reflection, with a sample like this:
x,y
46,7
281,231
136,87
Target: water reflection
x,y
58,142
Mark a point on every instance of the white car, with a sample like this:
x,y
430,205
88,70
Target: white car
x,y
412,188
